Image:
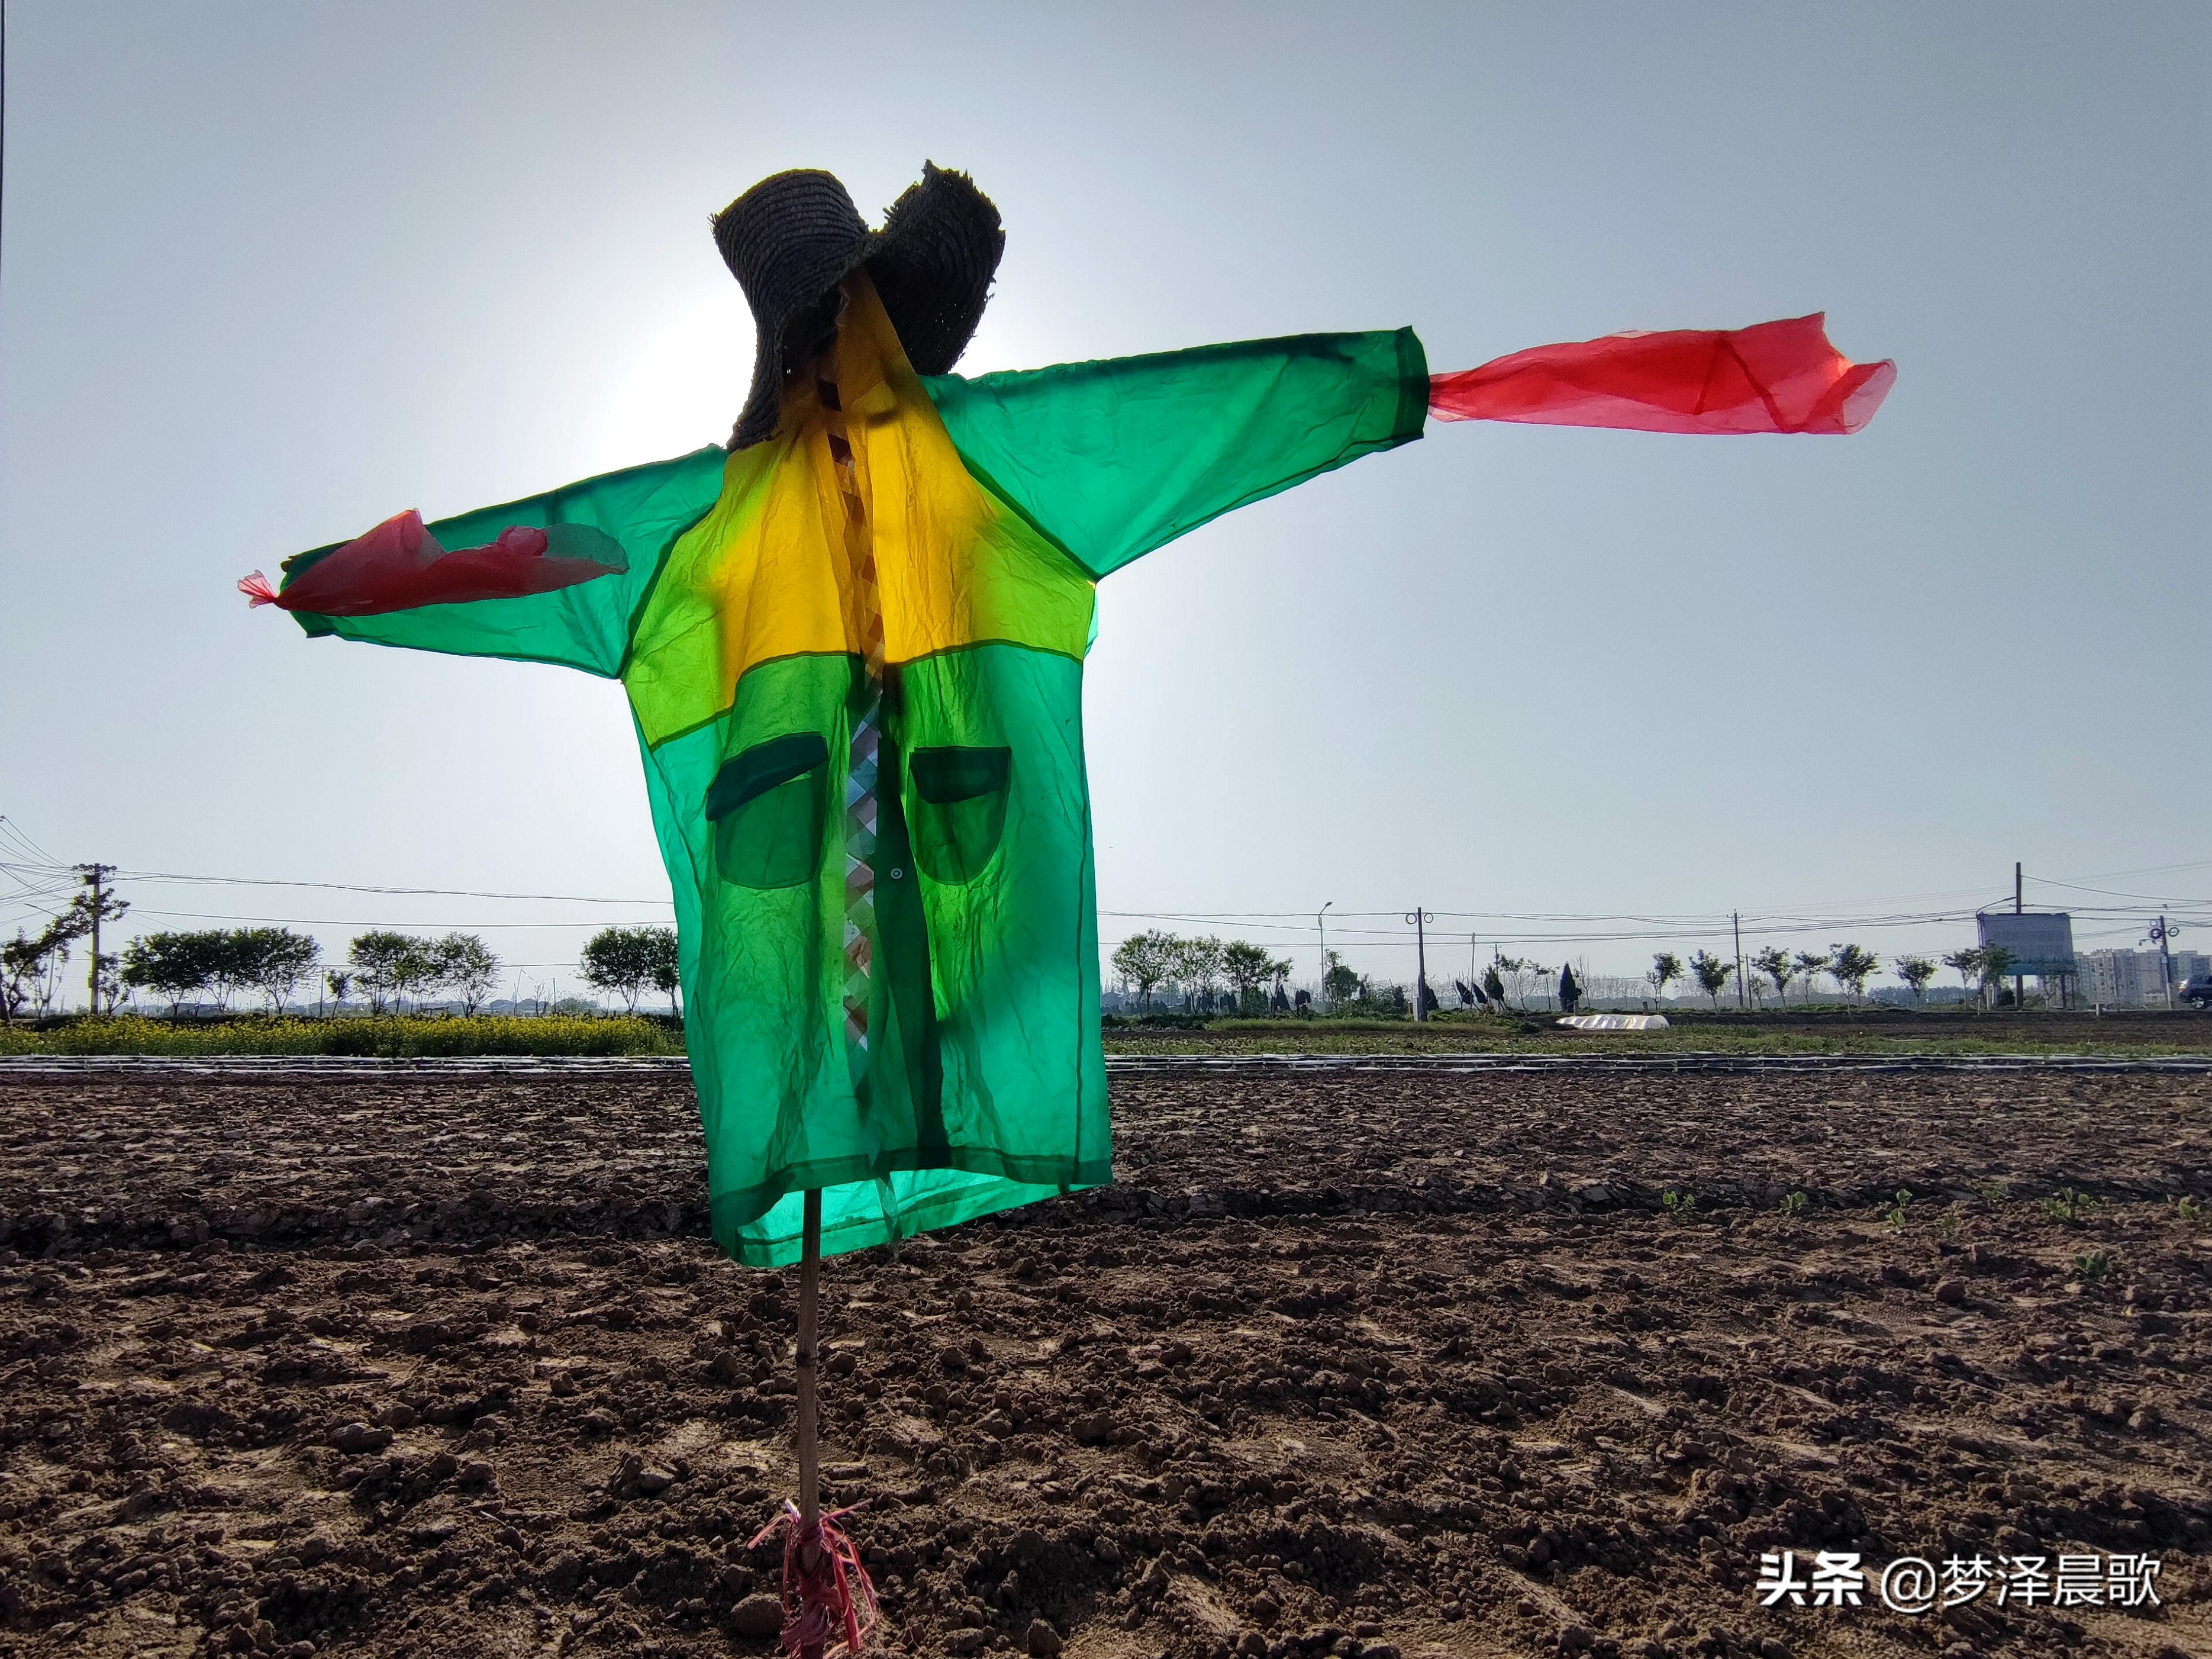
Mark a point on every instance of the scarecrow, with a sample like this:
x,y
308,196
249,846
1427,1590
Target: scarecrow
x,y
853,640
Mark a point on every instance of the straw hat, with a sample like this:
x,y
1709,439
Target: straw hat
x,y
792,239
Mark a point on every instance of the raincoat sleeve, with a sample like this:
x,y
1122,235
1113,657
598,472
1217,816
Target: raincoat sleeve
x,y
1112,459
628,522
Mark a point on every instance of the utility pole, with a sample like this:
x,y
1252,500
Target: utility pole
x,y
1321,926
1742,996
2019,980
93,876
2162,935
1419,919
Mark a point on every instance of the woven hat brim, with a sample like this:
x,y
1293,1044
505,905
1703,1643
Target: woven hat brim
x,y
932,264
789,239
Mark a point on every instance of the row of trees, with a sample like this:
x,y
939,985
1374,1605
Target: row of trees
x,y
386,969
1213,975
1512,980
1849,965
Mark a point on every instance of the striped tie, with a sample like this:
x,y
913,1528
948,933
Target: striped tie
x,y
860,774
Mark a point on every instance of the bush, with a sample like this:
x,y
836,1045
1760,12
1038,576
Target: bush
x,y
401,1036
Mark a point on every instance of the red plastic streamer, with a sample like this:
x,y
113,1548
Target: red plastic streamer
x,y
834,1598
1777,377
399,565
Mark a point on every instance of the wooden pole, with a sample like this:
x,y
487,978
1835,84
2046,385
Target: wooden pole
x,y
809,1449
809,1285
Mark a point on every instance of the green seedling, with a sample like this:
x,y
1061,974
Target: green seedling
x,y
2189,1210
2092,1265
1947,1223
1895,1215
2070,1205
1793,1207
1995,1192
1681,1206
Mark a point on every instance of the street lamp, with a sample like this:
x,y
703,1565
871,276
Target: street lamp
x,y
1321,995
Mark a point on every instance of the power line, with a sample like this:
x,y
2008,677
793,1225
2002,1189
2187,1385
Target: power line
x,y
399,892
40,880
326,921
2147,899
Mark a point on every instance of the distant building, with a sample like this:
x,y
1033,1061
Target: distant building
x,y
2132,979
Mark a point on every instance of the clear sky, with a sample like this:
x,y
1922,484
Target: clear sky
x,y
273,272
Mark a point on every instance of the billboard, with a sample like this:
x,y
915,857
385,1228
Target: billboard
x,y
2041,943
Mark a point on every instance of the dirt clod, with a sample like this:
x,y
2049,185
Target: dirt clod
x,y
757,1616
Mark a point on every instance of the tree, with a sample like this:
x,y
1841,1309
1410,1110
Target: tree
x,y
230,962
1812,964
272,960
1493,986
388,965
1570,990
1712,973
24,962
1144,960
172,964
31,968
1666,967
465,964
1247,966
1997,963
1915,971
1341,983
109,983
623,960
1197,965
1967,963
1774,962
82,920
340,982
1540,981
1851,967
668,970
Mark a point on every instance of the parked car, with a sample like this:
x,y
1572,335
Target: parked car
x,y
2196,991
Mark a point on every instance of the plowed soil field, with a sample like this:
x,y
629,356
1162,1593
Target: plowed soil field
x,y
1387,1364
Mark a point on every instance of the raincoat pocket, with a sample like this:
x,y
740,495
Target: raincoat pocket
x,y
768,806
960,810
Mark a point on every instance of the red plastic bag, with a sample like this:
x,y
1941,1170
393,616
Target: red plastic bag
x,y
1776,377
399,565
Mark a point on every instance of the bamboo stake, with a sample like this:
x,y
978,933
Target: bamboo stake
x,y
810,1283
809,1451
